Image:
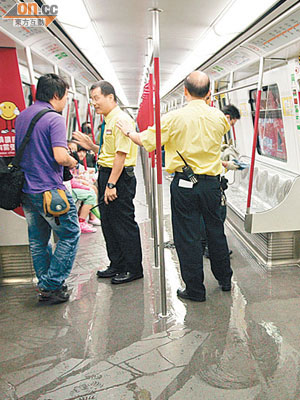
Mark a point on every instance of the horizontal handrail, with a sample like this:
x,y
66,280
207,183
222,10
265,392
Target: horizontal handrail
x,y
235,88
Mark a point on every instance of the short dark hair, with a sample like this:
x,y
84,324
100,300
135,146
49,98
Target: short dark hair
x,y
50,85
85,128
196,89
232,111
80,148
105,87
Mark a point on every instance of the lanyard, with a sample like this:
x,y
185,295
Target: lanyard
x,y
101,143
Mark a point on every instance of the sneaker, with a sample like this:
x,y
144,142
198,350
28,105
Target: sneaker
x,y
86,228
95,222
64,288
53,296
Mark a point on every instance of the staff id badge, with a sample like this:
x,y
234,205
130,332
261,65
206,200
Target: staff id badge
x,y
185,184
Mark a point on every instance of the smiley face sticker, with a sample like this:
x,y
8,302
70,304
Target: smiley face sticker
x,y
8,112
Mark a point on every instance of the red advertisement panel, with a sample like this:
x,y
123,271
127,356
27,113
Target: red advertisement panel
x,y
271,133
11,99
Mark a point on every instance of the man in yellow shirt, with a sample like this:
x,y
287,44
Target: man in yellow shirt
x,y
117,186
196,132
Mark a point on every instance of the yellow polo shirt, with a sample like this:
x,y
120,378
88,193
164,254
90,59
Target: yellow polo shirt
x,y
196,131
114,140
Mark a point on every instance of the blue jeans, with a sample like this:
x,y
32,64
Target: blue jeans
x,y
51,268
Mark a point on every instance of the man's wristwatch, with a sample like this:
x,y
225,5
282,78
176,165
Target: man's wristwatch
x,y
110,185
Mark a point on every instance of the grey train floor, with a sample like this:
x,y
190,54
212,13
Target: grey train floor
x,y
109,343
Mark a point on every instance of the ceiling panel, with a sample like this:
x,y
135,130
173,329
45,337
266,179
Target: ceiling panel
x,y
123,28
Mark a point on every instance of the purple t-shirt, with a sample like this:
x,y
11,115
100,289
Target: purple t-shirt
x,y
41,170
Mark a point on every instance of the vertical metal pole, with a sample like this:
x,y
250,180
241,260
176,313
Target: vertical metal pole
x,y
155,21
152,200
148,183
154,213
151,160
67,117
76,103
90,115
231,80
153,180
147,178
150,155
31,73
55,69
77,114
150,204
255,135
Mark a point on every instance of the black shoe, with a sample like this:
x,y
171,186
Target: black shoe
x,y
64,288
184,295
107,273
124,277
225,286
53,296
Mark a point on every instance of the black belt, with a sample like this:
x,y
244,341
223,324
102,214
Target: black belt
x,y
200,176
107,169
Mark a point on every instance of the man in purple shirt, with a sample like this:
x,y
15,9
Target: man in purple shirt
x,y
43,160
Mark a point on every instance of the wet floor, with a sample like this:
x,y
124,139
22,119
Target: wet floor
x,y
110,343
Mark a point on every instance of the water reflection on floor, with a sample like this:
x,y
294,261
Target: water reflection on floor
x,y
109,342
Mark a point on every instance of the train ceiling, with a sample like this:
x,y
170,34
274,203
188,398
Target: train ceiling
x,y
115,36
110,39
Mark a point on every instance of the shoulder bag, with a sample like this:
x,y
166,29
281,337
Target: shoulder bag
x,y
11,176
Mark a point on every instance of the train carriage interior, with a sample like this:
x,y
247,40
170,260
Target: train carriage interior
x,y
139,341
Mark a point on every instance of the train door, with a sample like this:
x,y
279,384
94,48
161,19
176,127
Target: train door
x,y
15,259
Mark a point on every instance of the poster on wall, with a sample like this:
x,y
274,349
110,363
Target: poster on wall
x,y
272,137
296,99
11,100
287,106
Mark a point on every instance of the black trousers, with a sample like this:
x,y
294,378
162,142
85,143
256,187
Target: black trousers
x,y
188,206
121,232
223,213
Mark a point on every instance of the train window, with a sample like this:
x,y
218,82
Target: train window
x,y
27,94
271,139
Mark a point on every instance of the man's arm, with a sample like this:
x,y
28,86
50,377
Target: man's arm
x,y
126,127
117,168
85,142
62,157
230,165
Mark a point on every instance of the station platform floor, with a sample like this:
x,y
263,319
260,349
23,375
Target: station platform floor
x,y
110,343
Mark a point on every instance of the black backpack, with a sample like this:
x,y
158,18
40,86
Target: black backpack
x,y
11,176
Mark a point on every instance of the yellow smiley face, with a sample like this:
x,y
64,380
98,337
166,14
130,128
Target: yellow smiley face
x,y
8,110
